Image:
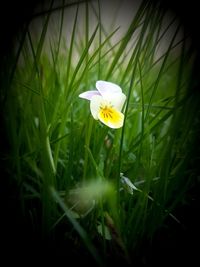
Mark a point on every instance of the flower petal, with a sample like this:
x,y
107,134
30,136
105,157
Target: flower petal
x,y
107,87
116,100
111,117
95,104
89,94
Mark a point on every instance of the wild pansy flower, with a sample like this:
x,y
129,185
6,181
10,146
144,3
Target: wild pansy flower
x,y
106,103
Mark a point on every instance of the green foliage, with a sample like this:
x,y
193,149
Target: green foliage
x,y
57,147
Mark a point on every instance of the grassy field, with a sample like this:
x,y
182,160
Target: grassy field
x,y
79,185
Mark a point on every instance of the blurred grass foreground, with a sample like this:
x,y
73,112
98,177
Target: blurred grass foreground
x,y
78,189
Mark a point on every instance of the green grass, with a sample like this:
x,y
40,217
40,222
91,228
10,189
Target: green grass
x,y
57,147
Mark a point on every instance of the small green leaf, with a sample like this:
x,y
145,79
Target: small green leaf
x,y
107,232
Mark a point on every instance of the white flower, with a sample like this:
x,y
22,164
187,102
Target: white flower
x,y
106,103
127,184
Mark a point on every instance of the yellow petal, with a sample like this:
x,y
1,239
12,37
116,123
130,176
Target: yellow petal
x,y
111,117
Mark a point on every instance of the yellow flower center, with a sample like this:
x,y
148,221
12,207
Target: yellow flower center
x,y
110,116
106,112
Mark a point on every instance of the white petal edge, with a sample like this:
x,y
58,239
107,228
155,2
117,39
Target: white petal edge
x,y
89,94
95,104
116,100
107,87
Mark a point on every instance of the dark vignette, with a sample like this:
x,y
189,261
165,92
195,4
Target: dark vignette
x,y
169,246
